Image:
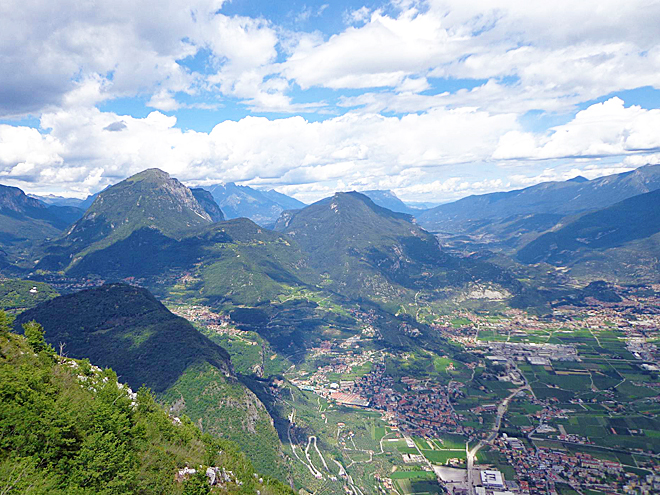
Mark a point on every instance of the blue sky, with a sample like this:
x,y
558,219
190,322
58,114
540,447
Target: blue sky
x,y
434,99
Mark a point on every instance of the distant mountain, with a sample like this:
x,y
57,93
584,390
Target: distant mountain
x,y
286,202
87,202
127,329
52,199
148,200
520,215
26,221
205,199
389,200
364,250
262,207
620,242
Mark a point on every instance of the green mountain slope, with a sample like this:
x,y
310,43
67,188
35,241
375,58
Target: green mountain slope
x,y
235,260
127,329
628,232
362,249
26,221
150,199
68,427
19,295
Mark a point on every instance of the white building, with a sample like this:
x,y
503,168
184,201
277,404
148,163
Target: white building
x,y
492,479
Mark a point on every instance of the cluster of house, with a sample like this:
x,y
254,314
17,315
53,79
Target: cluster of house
x,y
539,470
418,408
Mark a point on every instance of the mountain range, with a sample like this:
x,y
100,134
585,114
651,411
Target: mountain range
x,y
511,219
620,242
25,221
317,272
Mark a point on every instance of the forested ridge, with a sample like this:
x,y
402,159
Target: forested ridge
x,y
68,427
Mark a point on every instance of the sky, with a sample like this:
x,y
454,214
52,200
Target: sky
x,y
432,99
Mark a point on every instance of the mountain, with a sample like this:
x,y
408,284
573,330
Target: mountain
x,y
127,329
620,242
52,199
70,427
87,202
205,199
26,221
520,215
286,202
262,207
389,200
148,200
364,250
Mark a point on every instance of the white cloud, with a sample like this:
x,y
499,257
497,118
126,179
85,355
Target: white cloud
x,y
357,16
603,129
355,150
557,55
75,53
438,154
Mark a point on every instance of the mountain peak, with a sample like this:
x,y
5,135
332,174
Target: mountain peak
x,y
154,174
148,200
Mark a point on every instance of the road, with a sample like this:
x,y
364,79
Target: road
x,y
472,453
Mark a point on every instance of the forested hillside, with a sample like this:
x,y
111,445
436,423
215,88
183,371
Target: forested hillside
x,y
67,427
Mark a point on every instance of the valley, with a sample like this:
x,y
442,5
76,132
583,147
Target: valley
x,y
349,350
511,391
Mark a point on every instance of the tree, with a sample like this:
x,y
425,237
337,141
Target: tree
x,y
5,322
34,333
198,484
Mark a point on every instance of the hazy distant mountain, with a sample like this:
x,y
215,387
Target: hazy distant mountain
x,y
52,199
364,250
509,215
148,200
389,200
286,202
618,242
87,202
262,207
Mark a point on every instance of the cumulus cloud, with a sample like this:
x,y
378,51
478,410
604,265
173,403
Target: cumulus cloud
x,y
548,57
396,128
358,149
75,53
603,129
438,154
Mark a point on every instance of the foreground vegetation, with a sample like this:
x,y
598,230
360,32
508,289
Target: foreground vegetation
x,y
67,427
